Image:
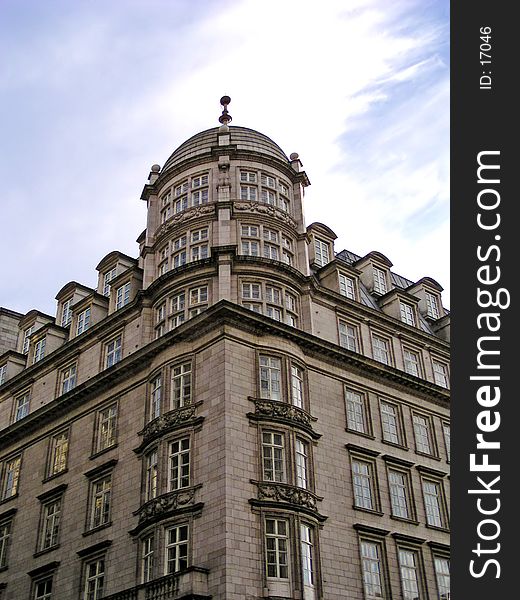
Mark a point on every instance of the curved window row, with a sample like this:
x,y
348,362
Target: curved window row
x,y
187,193
275,301
190,246
257,186
183,304
260,240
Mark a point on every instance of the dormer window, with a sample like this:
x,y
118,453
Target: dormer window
x,y
380,285
407,313
432,306
107,278
321,252
39,349
26,339
66,313
123,295
347,286
83,321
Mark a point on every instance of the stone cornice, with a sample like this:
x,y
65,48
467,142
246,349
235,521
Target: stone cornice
x,y
170,421
283,412
283,495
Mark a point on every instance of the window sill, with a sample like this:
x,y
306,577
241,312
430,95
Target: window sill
x,y
425,454
394,445
54,476
5,500
46,550
101,452
360,433
437,528
96,529
404,520
370,511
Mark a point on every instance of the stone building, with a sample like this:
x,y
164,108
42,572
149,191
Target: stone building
x,y
241,412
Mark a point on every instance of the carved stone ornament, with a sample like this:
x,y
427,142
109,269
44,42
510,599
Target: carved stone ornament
x,y
168,421
265,209
279,492
282,410
165,504
186,215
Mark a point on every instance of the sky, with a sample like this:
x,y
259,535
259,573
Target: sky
x,y
92,93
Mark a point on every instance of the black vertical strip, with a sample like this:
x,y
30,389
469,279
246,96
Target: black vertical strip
x,y
484,109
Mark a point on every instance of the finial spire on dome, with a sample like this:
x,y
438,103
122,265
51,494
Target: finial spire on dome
x,y
225,117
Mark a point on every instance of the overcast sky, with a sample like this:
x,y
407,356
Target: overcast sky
x,y
92,93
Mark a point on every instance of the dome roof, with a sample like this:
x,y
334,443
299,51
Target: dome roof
x,y
241,137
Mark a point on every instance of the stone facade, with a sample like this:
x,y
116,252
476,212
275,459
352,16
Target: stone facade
x,y
239,413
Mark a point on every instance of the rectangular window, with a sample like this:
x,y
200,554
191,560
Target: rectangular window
x,y
58,453
106,427
381,349
409,569
176,549
307,555
248,192
199,235
151,475
94,579
273,295
181,385
412,362
346,287
39,350
399,494
276,548
251,291
178,302
50,524
68,378
271,251
248,176
113,352
199,252
268,181
101,491
273,456
321,252
390,423
181,204
122,295
107,278
26,339
432,306
179,464
200,181
3,373
440,374
147,558
442,575
43,589
83,321
269,197
433,503
155,397
302,464
407,313
348,336
273,312
270,377
446,432
21,406
257,308
66,313
423,434
372,566
11,476
362,479
5,538
199,197
250,231
297,386
198,295
180,189
356,411
380,286
250,248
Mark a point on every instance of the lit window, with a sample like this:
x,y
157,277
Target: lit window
x,y
10,477
302,464
432,306
83,321
122,295
21,407
147,559
380,286
277,542
409,569
348,336
399,494
440,374
381,350
107,421
307,555
321,252
371,562
390,423
5,538
58,454
273,456
50,524
411,362
270,377
101,491
181,385
107,278
297,386
356,412
442,575
68,379
423,434
176,549
346,286
407,313
179,464
94,579
362,479
151,475
113,352
155,397
66,313
433,503
39,350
